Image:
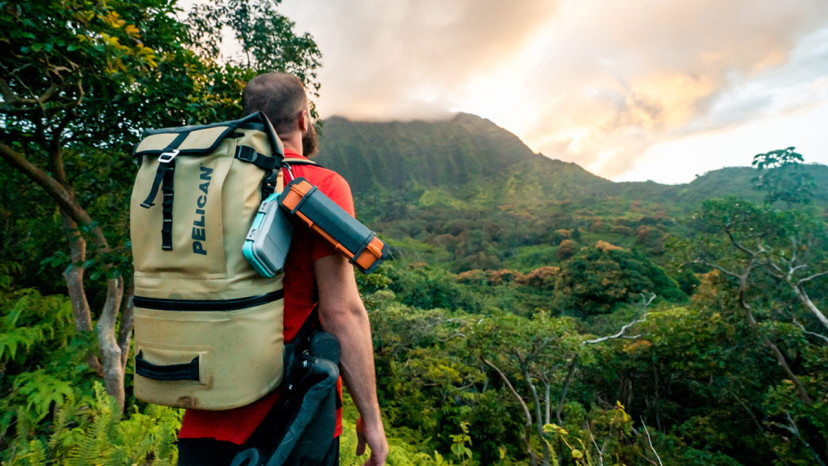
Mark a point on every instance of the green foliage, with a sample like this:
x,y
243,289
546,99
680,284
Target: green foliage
x,y
596,279
265,36
59,415
39,351
782,178
776,248
428,287
460,444
90,430
579,444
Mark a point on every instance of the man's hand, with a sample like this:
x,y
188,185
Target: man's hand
x,y
375,438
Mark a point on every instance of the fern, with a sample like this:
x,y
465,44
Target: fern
x,y
64,413
34,455
167,452
95,445
20,337
40,390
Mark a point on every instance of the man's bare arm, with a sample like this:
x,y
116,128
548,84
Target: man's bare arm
x,y
342,313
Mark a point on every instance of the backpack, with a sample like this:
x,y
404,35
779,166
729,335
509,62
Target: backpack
x,y
208,328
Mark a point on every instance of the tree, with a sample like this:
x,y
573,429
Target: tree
x,y
80,79
265,37
782,178
760,249
530,357
597,279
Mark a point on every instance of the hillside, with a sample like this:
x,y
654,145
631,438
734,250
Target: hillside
x,y
466,156
472,159
467,194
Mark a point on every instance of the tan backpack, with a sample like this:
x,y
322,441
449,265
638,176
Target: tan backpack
x,y
208,328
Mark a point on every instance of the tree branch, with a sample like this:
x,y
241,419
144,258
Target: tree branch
x,y
14,101
780,358
528,425
538,415
800,293
736,243
8,94
806,332
562,398
650,441
807,279
717,267
644,303
794,429
73,276
58,192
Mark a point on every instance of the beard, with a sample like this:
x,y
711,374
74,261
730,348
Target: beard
x,y
310,142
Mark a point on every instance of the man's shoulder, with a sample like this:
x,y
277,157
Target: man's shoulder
x,y
321,176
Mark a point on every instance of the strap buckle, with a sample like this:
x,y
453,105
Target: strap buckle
x,y
168,157
246,154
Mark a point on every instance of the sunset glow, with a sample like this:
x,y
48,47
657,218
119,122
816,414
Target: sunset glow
x,y
628,90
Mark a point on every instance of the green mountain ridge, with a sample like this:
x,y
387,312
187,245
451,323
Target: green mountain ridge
x,y
471,158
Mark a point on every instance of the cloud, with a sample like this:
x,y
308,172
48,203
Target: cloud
x,y
661,70
595,82
407,58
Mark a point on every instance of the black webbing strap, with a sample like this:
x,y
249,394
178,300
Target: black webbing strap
x,y
248,154
309,326
164,161
185,371
266,163
164,177
156,183
167,207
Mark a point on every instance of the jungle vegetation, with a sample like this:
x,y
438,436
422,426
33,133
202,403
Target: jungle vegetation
x,y
532,312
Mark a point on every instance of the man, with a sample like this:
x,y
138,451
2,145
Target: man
x,y
312,269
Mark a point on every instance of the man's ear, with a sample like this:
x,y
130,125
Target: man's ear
x,y
304,121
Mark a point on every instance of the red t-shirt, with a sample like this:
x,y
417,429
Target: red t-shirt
x,y
236,425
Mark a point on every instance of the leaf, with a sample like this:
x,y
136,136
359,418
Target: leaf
x,y
132,31
554,428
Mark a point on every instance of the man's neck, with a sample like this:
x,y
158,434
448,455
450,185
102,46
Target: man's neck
x,y
293,142
293,153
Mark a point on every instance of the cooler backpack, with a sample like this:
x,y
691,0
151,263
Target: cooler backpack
x,y
208,328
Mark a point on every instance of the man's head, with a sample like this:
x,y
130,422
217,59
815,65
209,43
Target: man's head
x,y
282,98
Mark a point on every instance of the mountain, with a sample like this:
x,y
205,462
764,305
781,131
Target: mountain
x,y
470,159
464,159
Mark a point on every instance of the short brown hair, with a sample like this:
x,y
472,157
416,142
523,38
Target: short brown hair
x,y
281,96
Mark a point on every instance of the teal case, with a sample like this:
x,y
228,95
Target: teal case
x,y
268,240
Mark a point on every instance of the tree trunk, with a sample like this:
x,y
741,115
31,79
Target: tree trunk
x,y
125,329
113,369
74,275
538,417
572,364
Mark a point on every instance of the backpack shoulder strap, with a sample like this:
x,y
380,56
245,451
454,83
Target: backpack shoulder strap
x,y
297,161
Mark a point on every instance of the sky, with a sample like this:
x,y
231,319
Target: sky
x,y
661,90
